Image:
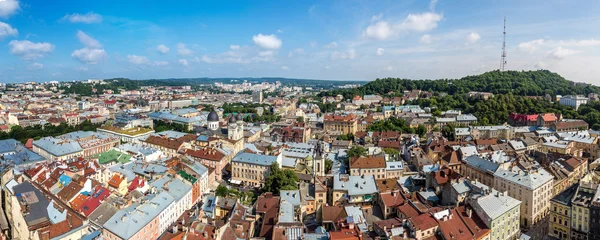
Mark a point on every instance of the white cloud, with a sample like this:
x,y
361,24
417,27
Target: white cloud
x,y
267,41
162,49
425,39
138,60
531,46
390,68
380,51
37,66
331,45
6,30
29,50
581,43
421,22
161,63
350,54
432,4
473,37
380,30
89,17
285,68
560,53
184,62
234,47
8,7
89,55
297,52
82,69
92,53
87,40
182,50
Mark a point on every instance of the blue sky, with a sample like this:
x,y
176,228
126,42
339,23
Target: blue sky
x,y
353,40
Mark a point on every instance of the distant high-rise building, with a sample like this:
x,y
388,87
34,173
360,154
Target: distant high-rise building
x,y
83,105
257,97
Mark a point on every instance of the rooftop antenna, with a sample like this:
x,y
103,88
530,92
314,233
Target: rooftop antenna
x,y
503,57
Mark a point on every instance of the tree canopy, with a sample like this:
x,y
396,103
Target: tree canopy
x,y
280,180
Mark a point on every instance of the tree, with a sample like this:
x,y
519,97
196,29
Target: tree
x,y
328,165
356,151
346,137
280,180
222,191
300,119
391,151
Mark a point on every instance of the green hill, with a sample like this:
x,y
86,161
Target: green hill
x,y
522,83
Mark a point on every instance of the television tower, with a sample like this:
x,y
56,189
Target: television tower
x,y
503,57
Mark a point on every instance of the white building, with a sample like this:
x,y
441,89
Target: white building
x,y
573,101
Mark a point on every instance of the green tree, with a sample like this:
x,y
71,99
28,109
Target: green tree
x,y
280,180
356,151
328,165
222,191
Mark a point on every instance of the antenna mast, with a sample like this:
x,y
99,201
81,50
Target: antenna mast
x,y
503,56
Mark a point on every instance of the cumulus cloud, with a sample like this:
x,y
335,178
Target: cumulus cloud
x,y
531,46
285,68
350,54
380,51
420,22
89,17
28,50
425,39
184,62
234,47
162,49
138,60
380,30
6,30
8,7
331,45
182,50
92,52
87,40
560,53
473,37
89,55
243,55
267,41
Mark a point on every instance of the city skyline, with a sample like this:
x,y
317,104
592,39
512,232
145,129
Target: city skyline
x,y
312,40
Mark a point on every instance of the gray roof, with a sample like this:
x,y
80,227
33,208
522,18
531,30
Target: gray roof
x,y
171,134
250,158
495,204
531,180
286,212
356,185
466,117
15,152
291,196
57,147
392,166
130,220
482,164
103,213
36,200
175,187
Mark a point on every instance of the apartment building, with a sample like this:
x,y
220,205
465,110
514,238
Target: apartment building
x,y
560,214
353,189
252,169
342,124
499,212
368,166
532,187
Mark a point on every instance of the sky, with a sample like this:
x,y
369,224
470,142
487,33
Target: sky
x,y
65,40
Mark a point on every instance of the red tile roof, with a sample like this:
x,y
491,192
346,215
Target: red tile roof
x,y
116,180
206,153
423,222
93,201
368,162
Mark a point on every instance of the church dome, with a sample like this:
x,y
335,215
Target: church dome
x,y
232,118
213,117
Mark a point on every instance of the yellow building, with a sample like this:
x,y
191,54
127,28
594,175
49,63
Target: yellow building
x,y
560,214
344,124
252,169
